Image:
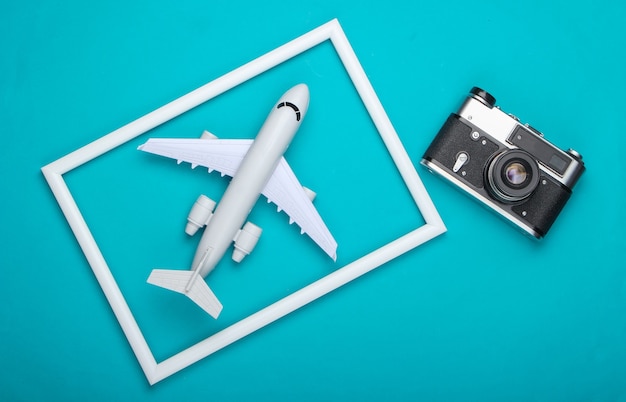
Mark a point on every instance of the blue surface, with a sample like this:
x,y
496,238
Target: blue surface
x,y
481,313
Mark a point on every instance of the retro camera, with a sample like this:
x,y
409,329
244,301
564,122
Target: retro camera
x,y
507,165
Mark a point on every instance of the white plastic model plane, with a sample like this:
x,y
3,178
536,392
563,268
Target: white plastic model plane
x,y
256,167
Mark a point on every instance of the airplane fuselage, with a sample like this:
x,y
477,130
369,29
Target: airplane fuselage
x,y
251,178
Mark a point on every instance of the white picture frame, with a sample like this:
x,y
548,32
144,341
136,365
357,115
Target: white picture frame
x,y
157,371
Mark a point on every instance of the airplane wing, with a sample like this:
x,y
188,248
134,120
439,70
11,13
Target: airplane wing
x,y
284,190
225,156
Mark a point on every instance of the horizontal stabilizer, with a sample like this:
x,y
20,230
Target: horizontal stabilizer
x,y
189,284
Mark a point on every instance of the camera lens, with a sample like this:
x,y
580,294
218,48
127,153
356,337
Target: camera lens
x,y
512,176
516,173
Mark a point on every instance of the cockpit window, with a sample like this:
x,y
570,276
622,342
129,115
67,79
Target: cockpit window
x,y
291,105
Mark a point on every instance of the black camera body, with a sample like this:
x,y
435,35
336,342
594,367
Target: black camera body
x,y
506,165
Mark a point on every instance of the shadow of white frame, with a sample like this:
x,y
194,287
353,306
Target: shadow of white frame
x,y
158,371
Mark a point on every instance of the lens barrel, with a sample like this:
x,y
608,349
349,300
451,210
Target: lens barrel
x,y
512,176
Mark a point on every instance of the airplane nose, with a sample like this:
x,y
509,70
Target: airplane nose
x,y
299,96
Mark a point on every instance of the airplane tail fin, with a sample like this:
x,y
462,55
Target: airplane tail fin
x,y
189,284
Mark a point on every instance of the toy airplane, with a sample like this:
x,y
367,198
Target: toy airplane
x,y
256,167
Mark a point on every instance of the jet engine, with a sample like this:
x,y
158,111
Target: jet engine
x,y
245,240
200,214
